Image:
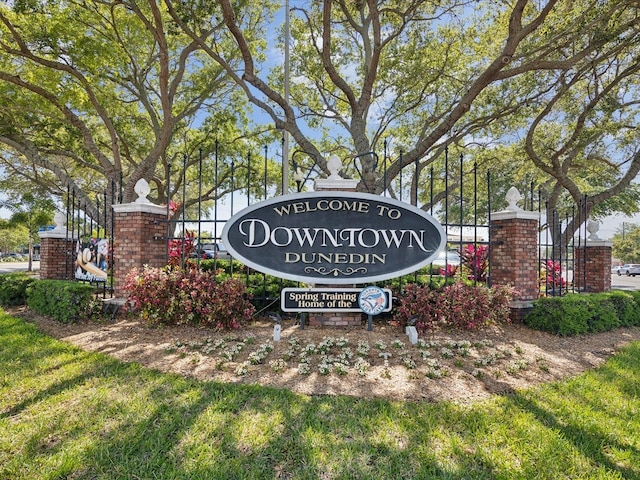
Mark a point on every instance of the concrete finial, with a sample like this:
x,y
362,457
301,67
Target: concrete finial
x,y
142,189
512,197
334,164
592,228
60,219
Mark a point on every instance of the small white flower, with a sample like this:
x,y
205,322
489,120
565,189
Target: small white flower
x,y
242,369
304,368
380,345
278,365
362,366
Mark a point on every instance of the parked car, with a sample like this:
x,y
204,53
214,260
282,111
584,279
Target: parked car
x,y
203,254
211,250
447,257
630,269
14,257
616,269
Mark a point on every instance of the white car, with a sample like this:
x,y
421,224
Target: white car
x,y
447,257
630,269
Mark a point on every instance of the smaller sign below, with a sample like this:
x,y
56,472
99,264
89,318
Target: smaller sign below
x,y
326,299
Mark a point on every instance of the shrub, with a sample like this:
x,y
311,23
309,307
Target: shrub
x,y
551,275
418,302
604,316
174,297
181,247
63,300
577,314
627,305
458,305
474,306
13,288
475,259
567,315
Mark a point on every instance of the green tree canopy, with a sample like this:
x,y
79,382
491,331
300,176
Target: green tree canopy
x,y
626,243
104,93
538,90
554,78
29,212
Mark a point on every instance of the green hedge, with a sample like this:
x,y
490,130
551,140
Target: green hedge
x,y
577,314
65,301
13,288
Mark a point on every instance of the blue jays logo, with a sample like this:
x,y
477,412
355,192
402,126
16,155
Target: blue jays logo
x,y
372,300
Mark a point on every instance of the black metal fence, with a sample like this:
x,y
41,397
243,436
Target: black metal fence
x,y
557,248
91,232
456,192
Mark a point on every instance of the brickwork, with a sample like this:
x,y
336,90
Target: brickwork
x,y
338,319
514,255
139,240
56,259
593,262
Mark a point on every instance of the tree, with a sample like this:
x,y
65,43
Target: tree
x,y
31,213
106,99
12,236
130,87
626,244
453,74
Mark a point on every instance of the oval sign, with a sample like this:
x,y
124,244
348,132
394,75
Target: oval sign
x,y
333,237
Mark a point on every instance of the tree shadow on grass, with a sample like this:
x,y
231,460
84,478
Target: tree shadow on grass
x,y
621,373
118,420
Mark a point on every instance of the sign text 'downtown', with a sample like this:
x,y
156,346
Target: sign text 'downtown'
x,y
334,237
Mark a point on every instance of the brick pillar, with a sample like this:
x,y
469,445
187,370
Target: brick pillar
x,y
57,251
514,252
335,183
56,258
140,239
592,268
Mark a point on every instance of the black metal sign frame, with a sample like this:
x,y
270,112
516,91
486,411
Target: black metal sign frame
x,y
334,237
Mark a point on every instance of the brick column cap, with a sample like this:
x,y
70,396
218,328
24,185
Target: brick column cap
x,y
136,207
597,243
337,184
515,214
62,234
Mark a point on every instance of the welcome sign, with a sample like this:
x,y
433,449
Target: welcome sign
x,y
333,237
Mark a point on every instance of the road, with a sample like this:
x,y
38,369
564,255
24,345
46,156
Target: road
x,y
8,267
623,282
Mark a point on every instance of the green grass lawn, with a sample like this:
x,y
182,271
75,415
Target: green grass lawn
x,y
66,413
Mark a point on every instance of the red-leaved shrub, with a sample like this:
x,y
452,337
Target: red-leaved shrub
x,y
476,260
420,303
457,305
175,297
551,273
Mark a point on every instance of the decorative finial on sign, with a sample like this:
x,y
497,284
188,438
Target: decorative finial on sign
x,y
142,189
334,164
512,197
